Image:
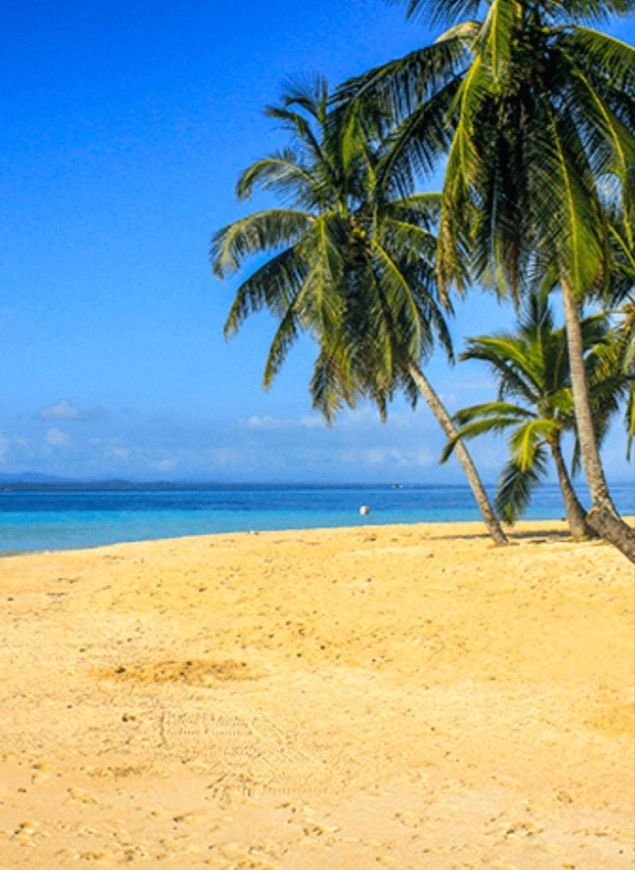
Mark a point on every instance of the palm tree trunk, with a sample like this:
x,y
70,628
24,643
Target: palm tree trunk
x,y
603,516
576,514
469,469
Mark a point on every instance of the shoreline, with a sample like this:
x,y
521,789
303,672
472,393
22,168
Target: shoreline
x,y
283,531
559,525
406,696
55,519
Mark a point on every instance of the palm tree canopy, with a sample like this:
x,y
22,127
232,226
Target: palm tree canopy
x,y
537,114
350,259
535,402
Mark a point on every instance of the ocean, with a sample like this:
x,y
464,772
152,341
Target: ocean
x,y
34,518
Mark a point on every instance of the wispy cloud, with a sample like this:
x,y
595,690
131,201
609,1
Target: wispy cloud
x,y
165,465
388,457
271,423
64,410
364,418
56,438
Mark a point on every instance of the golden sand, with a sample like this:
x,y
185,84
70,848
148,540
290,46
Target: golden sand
x,y
407,697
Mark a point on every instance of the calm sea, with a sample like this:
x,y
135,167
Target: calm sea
x,y
55,518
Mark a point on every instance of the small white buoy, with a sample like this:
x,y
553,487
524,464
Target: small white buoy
x,y
364,510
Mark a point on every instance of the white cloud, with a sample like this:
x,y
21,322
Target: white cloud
x,y
56,438
165,464
271,423
421,458
392,457
64,410
257,422
315,422
367,418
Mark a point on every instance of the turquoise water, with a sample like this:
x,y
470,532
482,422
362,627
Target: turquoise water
x,y
55,518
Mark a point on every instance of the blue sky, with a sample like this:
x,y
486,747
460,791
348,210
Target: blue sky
x,y
124,129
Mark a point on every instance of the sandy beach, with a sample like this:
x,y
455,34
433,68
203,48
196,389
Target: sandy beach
x,y
406,697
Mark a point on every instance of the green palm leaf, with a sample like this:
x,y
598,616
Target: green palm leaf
x,y
507,411
494,41
275,286
441,10
569,231
507,359
396,89
279,173
528,438
255,234
516,485
283,340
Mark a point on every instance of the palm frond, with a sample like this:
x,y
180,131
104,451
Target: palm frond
x,y
526,440
566,213
285,337
516,485
611,58
273,286
508,412
255,234
280,173
397,295
301,129
320,301
426,206
413,149
496,423
507,357
398,88
462,172
440,10
594,10
330,389
494,41
310,93
414,242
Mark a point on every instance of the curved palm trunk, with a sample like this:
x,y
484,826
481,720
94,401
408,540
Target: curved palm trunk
x,y
445,421
603,516
576,514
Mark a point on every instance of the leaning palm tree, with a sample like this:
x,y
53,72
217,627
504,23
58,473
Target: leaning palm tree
x,y
540,111
351,262
535,405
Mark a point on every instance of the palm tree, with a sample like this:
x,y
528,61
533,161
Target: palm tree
x,y
531,366
351,262
540,113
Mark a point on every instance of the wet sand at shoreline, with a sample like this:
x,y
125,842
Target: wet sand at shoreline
x,y
398,696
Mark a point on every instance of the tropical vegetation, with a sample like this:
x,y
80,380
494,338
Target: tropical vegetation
x,y
535,111
535,404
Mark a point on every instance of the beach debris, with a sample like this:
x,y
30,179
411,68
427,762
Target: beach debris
x,y
364,510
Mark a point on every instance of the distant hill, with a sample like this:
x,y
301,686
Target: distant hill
x,y
31,477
